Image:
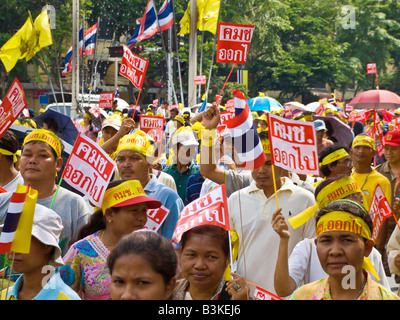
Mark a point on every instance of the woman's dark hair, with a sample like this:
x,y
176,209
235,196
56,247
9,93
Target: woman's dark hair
x,y
349,206
97,221
51,124
9,142
326,151
152,247
220,235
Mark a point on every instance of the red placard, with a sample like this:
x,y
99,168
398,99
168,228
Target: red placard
x,y
233,42
153,126
211,209
371,68
13,104
379,210
106,100
89,169
199,80
133,67
155,218
293,145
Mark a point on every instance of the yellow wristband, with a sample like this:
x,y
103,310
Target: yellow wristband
x,y
208,137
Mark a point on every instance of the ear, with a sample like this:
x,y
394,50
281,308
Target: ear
x,y
108,214
59,163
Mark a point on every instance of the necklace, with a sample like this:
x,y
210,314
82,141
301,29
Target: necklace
x,y
362,287
365,181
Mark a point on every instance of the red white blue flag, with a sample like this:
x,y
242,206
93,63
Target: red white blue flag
x,y
90,40
11,222
68,54
146,27
244,134
166,15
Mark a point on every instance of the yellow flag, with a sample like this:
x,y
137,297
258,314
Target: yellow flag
x,y
208,12
207,16
42,34
185,21
23,234
17,46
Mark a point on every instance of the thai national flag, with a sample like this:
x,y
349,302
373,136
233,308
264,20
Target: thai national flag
x,y
244,134
116,93
68,55
166,15
11,222
146,27
90,40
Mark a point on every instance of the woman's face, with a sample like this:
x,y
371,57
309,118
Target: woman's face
x,y
133,278
203,261
128,219
338,249
33,261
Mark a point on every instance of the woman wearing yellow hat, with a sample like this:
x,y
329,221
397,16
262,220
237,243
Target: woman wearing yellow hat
x,y
124,210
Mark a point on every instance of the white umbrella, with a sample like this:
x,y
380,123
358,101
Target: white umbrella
x,y
314,105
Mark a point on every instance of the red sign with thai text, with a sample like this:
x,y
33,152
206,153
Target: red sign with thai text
x,y
133,67
106,100
211,209
89,169
233,42
379,210
153,126
293,145
13,104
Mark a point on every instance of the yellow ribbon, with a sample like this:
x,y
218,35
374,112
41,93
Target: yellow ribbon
x,y
334,156
336,190
121,193
8,153
345,221
46,136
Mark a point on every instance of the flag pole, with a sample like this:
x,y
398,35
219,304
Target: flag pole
x,y
177,55
226,81
273,179
9,276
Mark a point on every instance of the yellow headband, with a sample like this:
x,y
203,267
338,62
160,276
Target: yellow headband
x,y
8,153
123,192
343,221
266,146
45,136
336,190
334,156
363,140
87,115
138,141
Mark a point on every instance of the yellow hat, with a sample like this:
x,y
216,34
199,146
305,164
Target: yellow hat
x,y
180,119
125,194
46,136
363,140
138,141
266,145
262,117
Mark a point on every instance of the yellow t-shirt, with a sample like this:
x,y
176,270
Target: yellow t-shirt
x,y
368,182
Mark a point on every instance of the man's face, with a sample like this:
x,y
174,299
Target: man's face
x,y
132,165
392,154
263,175
38,163
362,154
108,132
